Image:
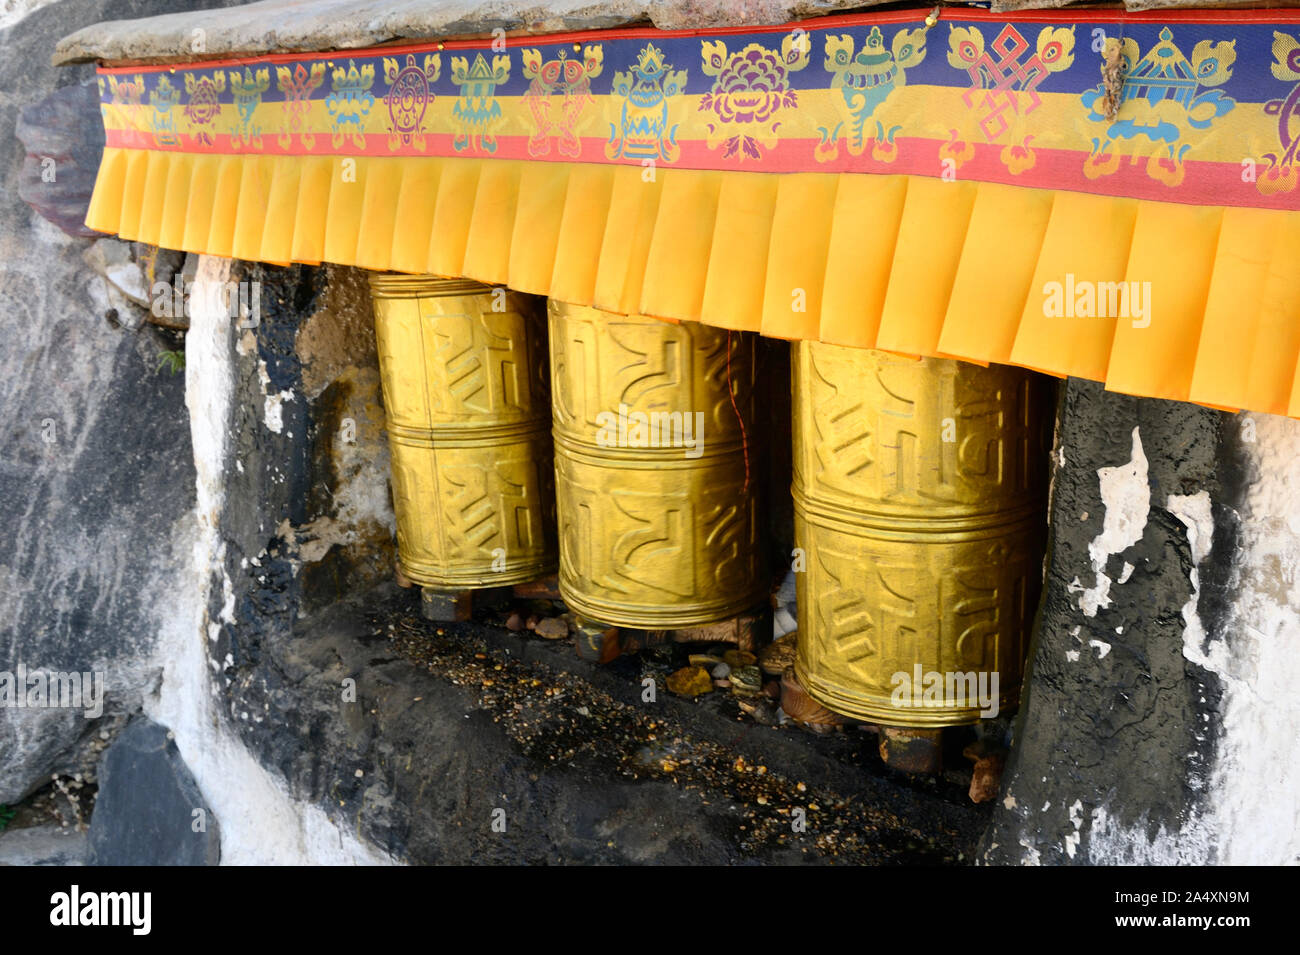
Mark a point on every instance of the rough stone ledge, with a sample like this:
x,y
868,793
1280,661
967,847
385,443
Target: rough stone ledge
x,y
43,845
304,25
416,764
310,25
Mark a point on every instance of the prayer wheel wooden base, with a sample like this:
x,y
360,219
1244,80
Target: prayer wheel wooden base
x,y
465,387
920,509
657,506
600,642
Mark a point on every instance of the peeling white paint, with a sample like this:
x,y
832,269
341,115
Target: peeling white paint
x,y
1252,814
1126,495
1195,512
1255,810
1073,655
272,404
260,822
1072,839
1110,843
273,411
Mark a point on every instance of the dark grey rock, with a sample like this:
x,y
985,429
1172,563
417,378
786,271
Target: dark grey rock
x,y
149,810
44,845
124,280
1114,716
97,470
417,762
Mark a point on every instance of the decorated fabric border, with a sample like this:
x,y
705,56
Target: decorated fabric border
x,y
1205,111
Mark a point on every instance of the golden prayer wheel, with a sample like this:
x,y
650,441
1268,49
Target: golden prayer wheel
x,y
467,399
655,489
920,508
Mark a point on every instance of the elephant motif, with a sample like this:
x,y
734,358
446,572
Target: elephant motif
x,y
1283,172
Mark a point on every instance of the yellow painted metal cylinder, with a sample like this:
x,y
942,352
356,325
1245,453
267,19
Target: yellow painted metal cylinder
x,y
654,449
920,509
467,399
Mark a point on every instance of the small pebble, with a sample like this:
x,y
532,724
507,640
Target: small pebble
x,y
738,658
552,628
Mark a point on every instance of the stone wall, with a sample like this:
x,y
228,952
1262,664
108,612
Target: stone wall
x,y
1159,721
102,568
97,475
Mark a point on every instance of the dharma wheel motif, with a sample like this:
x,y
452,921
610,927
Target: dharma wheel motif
x,y
466,394
657,507
920,499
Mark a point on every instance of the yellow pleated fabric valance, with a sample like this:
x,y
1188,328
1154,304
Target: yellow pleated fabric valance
x,y
979,201
908,264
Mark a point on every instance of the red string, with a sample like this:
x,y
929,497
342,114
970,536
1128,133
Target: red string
x,y
744,436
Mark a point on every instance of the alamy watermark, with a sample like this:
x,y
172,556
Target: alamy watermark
x,y
42,689
1080,298
931,689
656,429
129,909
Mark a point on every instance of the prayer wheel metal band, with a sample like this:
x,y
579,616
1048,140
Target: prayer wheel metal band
x,y
920,506
657,509
467,398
